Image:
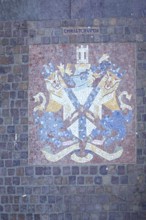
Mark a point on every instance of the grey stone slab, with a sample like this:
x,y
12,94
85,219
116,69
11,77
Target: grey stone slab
x,y
81,9
124,8
114,8
18,9
90,9
138,8
54,9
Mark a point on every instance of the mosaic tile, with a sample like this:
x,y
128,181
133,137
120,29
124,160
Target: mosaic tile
x,y
82,103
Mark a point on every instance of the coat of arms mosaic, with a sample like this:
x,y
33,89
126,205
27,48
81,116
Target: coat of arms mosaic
x,y
82,103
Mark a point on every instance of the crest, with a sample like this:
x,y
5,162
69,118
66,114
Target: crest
x,y
81,113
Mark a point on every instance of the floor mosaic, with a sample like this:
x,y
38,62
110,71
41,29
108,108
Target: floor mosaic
x,y
82,103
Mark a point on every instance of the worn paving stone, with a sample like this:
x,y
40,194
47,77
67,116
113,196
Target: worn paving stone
x,y
54,9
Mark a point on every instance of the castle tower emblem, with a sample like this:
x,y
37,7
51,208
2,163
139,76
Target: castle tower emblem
x,y
82,54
